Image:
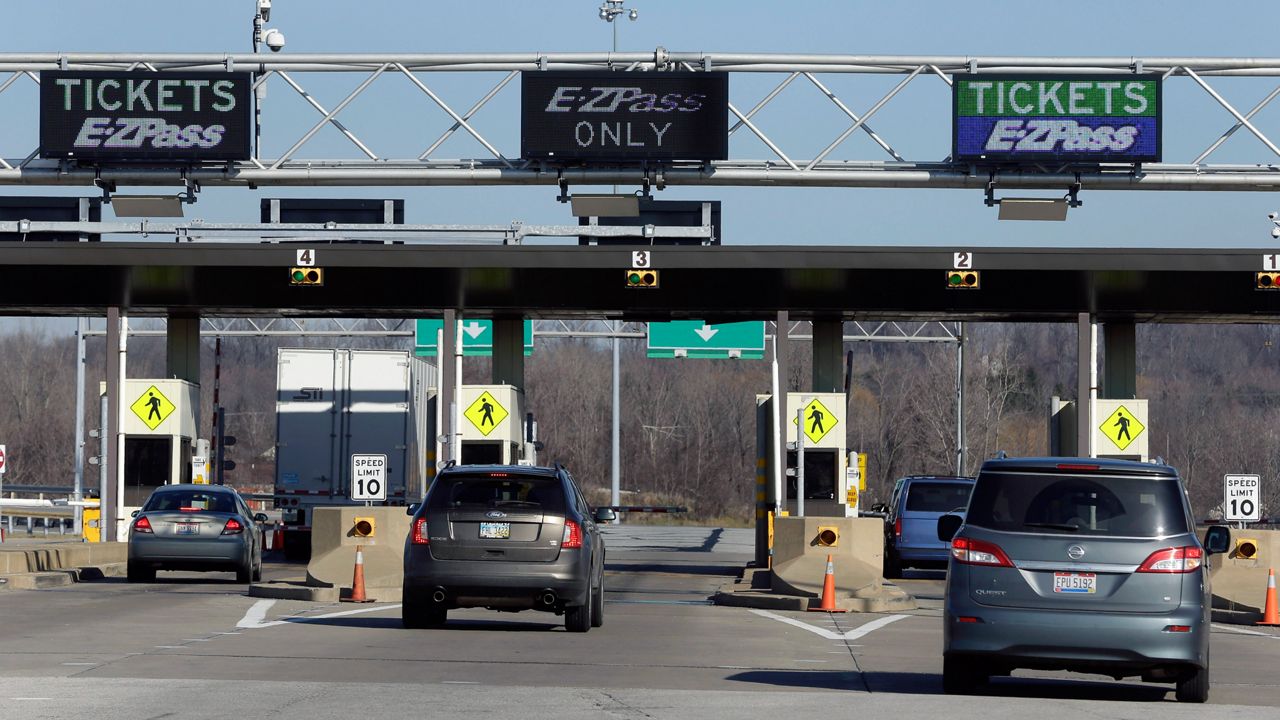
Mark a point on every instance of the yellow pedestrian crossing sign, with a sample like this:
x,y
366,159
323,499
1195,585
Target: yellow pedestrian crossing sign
x,y
485,413
818,420
152,407
1122,427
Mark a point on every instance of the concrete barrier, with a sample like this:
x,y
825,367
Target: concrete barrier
x,y
800,562
333,549
1239,584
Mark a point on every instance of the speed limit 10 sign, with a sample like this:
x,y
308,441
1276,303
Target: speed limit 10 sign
x,y
369,477
1242,498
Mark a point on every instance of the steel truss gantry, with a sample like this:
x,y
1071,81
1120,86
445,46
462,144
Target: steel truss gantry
x,y
894,167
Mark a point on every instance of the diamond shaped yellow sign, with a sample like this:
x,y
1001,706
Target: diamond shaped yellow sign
x,y
1122,427
152,407
818,420
485,413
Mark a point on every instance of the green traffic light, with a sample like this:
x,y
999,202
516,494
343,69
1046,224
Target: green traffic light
x,y
954,278
298,276
633,279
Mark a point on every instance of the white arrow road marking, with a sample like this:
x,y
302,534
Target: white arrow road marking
x,y
706,332
256,616
853,634
474,329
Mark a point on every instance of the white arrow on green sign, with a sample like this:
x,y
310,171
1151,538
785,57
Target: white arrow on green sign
x,y
697,339
477,337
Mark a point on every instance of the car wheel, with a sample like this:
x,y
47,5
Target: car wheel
x,y
597,604
244,573
960,675
257,572
1194,688
892,565
578,619
139,573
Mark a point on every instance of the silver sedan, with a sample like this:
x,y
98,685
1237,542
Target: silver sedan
x,y
195,527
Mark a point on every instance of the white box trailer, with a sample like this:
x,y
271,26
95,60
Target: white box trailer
x,y
330,405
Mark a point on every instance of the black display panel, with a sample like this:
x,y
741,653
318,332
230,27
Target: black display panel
x,y
142,115
602,115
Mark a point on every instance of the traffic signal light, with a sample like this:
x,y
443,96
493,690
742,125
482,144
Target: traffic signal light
x,y
1246,549
1268,281
962,279
363,527
642,278
306,276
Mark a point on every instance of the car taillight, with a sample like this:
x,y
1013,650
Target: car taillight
x,y
232,527
1173,560
897,528
976,552
420,532
142,525
572,536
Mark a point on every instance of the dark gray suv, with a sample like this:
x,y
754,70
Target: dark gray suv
x,y
1078,564
504,537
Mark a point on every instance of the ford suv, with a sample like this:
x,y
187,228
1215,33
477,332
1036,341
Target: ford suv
x,y
1082,564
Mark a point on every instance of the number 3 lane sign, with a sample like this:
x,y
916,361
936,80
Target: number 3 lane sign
x,y
369,477
1242,498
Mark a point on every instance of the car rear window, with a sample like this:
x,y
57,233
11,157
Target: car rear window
x,y
1078,505
937,497
461,491
191,501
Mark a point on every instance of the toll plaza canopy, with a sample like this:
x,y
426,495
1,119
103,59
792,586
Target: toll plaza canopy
x,y
714,283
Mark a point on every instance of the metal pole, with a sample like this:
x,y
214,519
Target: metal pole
x,y
615,466
960,399
800,462
444,394
111,427
81,325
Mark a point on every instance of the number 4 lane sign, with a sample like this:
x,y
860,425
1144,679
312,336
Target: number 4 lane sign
x,y
1242,498
369,477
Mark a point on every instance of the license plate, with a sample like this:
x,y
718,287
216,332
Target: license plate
x,y
187,529
1079,583
495,531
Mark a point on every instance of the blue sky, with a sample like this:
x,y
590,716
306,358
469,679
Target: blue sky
x,y
917,123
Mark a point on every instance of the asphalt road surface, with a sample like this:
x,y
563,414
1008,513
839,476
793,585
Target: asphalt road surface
x,y
196,646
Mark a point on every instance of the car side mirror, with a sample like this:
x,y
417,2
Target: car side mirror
x,y
948,526
1217,539
412,509
261,517
605,515
134,513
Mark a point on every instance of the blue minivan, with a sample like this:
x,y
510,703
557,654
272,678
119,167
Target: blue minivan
x,y
911,526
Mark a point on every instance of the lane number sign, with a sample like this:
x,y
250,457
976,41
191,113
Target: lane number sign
x,y
640,260
369,478
306,258
962,261
1242,497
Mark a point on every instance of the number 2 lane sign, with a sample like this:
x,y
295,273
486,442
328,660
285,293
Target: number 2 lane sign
x,y
369,478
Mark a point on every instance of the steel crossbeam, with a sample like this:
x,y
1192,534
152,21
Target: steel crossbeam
x,y
836,164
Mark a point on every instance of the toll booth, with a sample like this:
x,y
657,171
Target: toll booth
x,y
492,427
1121,429
159,427
821,439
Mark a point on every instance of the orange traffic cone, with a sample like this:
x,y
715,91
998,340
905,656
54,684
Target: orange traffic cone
x,y
278,541
828,603
357,580
1270,614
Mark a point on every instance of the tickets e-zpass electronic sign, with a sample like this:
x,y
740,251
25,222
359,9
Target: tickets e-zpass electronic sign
x,y
143,115
1077,118
620,116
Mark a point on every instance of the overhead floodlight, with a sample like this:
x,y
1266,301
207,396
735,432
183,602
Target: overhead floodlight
x,y
1033,209
147,205
605,205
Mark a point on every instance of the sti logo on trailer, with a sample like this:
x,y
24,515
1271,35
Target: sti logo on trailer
x,y
1065,118
139,115
601,115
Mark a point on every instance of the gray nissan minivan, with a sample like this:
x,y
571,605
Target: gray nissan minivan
x,y
1078,564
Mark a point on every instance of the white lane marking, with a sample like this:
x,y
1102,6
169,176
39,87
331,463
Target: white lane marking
x,y
257,619
811,661
172,647
29,698
256,614
1243,631
79,664
459,682
196,640
853,634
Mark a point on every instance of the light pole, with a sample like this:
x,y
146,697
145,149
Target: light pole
x,y
609,11
274,40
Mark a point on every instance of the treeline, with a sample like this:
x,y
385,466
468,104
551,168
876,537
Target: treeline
x,y
688,427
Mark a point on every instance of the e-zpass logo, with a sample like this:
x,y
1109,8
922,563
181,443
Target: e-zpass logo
x,y
1048,135
105,132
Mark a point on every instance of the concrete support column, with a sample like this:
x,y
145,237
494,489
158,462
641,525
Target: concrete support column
x,y
1120,363
448,339
508,352
1085,375
828,356
182,349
